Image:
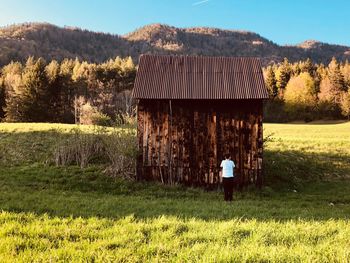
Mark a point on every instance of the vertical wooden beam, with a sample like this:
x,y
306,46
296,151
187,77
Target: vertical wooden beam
x,y
159,140
170,143
215,149
140,130
165,141
260,180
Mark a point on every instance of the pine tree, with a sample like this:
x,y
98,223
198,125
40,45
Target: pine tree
x,y
34,93
336,80
296,68
54,83
67,94
284,74
27,100
308,67
271,82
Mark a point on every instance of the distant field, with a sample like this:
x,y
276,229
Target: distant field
x,y
69,214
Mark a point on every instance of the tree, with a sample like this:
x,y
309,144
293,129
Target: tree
x,y
296,69
345,104
345,70
336,79
67,91
299,96
308,67
12,77
34,95
283,75
27,101
328,107
54,85
325,93
271,82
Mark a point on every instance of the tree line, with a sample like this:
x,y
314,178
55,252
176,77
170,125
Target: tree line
x,y
74,91
307,91
71,91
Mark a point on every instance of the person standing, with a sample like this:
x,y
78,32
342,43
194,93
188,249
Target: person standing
x,y
227,174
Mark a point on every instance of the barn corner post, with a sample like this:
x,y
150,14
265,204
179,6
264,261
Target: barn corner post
x,y
260,181
139,136
262,171
261,178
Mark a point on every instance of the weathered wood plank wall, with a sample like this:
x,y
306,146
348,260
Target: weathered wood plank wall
x,y
188,145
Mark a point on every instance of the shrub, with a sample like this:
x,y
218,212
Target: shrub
x,y
78,148
125,119
87,111
116,150
101,119
121,149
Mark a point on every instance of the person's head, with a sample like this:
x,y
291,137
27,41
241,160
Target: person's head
x,y
227,156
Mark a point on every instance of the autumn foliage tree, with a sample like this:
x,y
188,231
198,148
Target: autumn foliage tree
x,y
300,96
336,78
345,104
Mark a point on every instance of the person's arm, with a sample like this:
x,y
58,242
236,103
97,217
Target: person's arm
x,y
233,168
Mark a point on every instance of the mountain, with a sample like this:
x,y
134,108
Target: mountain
x,y
19,41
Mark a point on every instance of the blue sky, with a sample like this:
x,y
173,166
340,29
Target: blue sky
x,y
282,21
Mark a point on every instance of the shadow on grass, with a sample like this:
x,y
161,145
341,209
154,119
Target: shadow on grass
x,y
298,185
319,122
78,193
296,168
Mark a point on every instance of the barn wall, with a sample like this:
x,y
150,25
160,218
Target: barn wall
x,y
188,145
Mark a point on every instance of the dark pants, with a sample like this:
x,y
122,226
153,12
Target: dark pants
x,y
228,188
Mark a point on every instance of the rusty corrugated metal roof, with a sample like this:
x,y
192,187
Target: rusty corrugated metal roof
x,y
191,77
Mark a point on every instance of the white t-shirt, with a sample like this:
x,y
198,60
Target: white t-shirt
x,y
227,168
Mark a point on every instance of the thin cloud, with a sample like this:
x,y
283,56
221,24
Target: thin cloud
x,y
200,2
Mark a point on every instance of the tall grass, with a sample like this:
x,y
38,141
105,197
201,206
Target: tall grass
x,y
115,148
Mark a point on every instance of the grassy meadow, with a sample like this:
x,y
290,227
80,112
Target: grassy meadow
x,y
50,213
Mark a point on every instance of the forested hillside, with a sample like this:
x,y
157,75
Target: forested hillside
x,y
18,42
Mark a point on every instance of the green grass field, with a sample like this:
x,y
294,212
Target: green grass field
x,y
68,214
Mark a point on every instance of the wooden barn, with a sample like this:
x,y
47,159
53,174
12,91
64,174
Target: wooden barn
x,y
193,110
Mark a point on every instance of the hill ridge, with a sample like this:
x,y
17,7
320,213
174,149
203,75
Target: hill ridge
x,y
18,41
